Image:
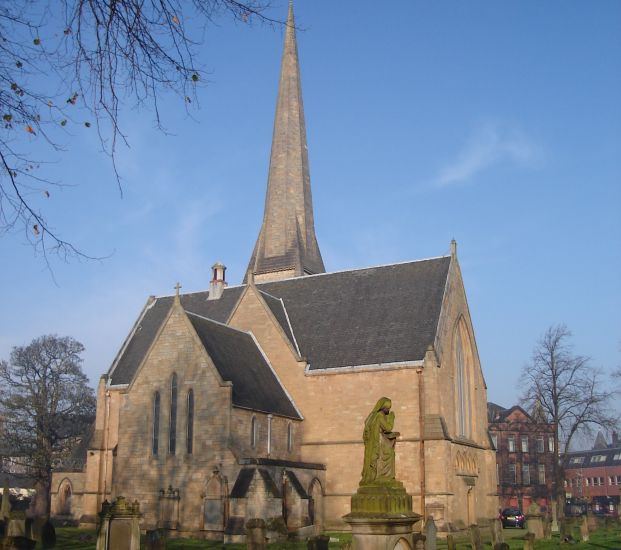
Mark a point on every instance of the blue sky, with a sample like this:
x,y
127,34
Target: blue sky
x,y
494,123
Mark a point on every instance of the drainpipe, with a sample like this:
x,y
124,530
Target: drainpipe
x,y
421,427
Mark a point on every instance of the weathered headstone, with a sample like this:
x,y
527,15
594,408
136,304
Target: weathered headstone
x,y
497,534
501,546
16,525
155,539
450,542
319,542
42,531
18,543
476,540
119,527
565,529
547,528
255,534
529,541
418,541
5,509
431,534
584,529
555,525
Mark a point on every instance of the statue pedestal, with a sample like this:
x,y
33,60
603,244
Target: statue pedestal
x,y
381,518
382,531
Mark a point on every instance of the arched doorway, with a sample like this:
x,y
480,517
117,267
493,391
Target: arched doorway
x,y
315,504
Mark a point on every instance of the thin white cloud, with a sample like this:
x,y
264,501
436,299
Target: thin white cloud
x,y
489,144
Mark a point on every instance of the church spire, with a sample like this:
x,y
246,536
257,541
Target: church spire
x,y
287,245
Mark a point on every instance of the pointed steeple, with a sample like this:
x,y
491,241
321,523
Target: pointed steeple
x,y
287,245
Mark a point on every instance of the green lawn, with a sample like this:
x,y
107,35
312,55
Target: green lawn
x,y
82,539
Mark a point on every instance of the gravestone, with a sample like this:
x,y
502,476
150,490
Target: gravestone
x,y
42,531
5,509
431,534
476,540
319,542
565,529
497,534
584,529
534,520
547,528
450,542
501,546
155,539
255,534
529,541
119,525
169,508
555,525
418,542
18,543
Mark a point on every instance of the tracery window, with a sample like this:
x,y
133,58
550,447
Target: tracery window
x,y
155,437
462,380
172,429
189,436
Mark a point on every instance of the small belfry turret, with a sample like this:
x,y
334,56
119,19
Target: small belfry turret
x,y
287,245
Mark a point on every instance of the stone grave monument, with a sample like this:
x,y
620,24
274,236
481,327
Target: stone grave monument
x,y
534,520
119,525
381,516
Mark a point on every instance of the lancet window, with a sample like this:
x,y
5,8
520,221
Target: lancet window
x,y
155,439
172,429
189,441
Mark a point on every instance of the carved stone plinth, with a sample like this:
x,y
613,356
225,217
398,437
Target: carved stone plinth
x,y
382,499
382,531
381,518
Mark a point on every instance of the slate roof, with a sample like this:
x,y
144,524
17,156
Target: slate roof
x,y
239,360
364,317
367,316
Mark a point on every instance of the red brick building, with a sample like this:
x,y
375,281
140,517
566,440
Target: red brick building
x,y
593,478
524,455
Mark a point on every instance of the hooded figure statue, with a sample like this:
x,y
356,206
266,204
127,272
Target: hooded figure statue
x,y
379,445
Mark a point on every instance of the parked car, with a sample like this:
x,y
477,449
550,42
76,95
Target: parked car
x,y
512,517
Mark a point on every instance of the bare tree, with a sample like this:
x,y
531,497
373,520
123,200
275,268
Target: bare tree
x,y
571,395
69,65
47,406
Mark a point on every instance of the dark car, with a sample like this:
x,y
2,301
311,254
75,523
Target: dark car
x,y
512,517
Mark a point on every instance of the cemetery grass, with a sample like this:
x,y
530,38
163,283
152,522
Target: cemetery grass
x,y
71,538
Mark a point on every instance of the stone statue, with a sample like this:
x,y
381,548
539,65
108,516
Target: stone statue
x,y
379,445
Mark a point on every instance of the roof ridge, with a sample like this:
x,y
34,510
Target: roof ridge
x,y
355,269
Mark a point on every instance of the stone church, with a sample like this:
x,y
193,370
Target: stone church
x,y
249,400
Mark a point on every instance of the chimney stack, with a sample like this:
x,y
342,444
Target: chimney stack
x,y
218,282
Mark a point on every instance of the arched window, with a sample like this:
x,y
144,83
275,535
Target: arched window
x,y
155,440
190,423
172,429
253,432
289,437
462,380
